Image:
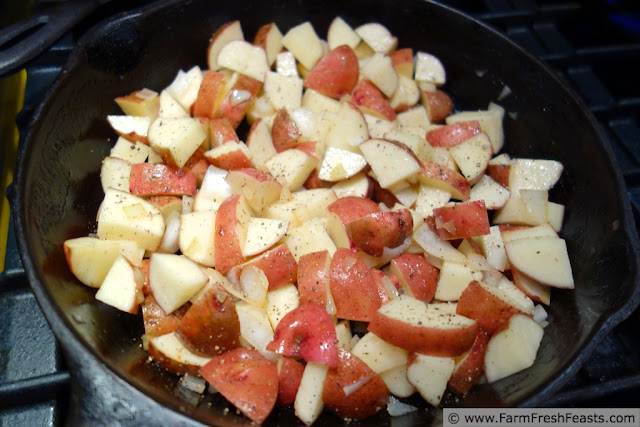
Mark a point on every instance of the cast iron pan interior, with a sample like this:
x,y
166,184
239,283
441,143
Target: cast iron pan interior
x,y
58,188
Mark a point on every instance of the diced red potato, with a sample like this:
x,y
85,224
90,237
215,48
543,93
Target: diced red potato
x,y
239,99
370,100
148,179
222,131
418,327
419,278
336,74
402,60
462,220
198,165
307,332
210,326
284,132
352,390
232,221
246,379
289,377
438,104
374,232
313,278
444,178
486,307
210,94
352,287
143,102
499,173
156,321
454,134
470,367
229,156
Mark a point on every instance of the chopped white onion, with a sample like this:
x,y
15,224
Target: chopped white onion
x,y
195,384
506,91
481,73
239,96
540,315
349,389
146,94
397,408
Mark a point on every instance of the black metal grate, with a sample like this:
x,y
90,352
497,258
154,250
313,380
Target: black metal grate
x,y
595,46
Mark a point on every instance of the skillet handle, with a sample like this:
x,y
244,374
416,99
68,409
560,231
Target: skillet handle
x,y
25,40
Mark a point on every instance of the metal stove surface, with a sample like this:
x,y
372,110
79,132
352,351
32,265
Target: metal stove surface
x,y
595,46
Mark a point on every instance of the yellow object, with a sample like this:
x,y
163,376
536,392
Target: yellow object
x,y
11,102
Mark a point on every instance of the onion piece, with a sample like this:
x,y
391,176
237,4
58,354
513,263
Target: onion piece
x,y
434,245
506,91
349,389
146,94
397,408
195,384
239,96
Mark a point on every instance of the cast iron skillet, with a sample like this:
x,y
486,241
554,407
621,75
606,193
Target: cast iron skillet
x,y
58,189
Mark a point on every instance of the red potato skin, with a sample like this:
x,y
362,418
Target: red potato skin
x,y
438,104
353,288
205,122
402,60
382,195
313,181
491,313
289,377
232,160
335,74
467,219
417,274
162,201
171,365
217,34
313,278
150,107
307,332
453,134
211,325
363,402
435,171
373,232
352,207
227,245
543,297
156,321
370,100
469,371
246,379
197,164
144,269
278,265
423,339
261,36
133,137
209,96
499,173
284,132
510,227
308,147
221,131
235,112
157,179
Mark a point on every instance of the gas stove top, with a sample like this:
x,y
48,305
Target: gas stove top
x,y
595,46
